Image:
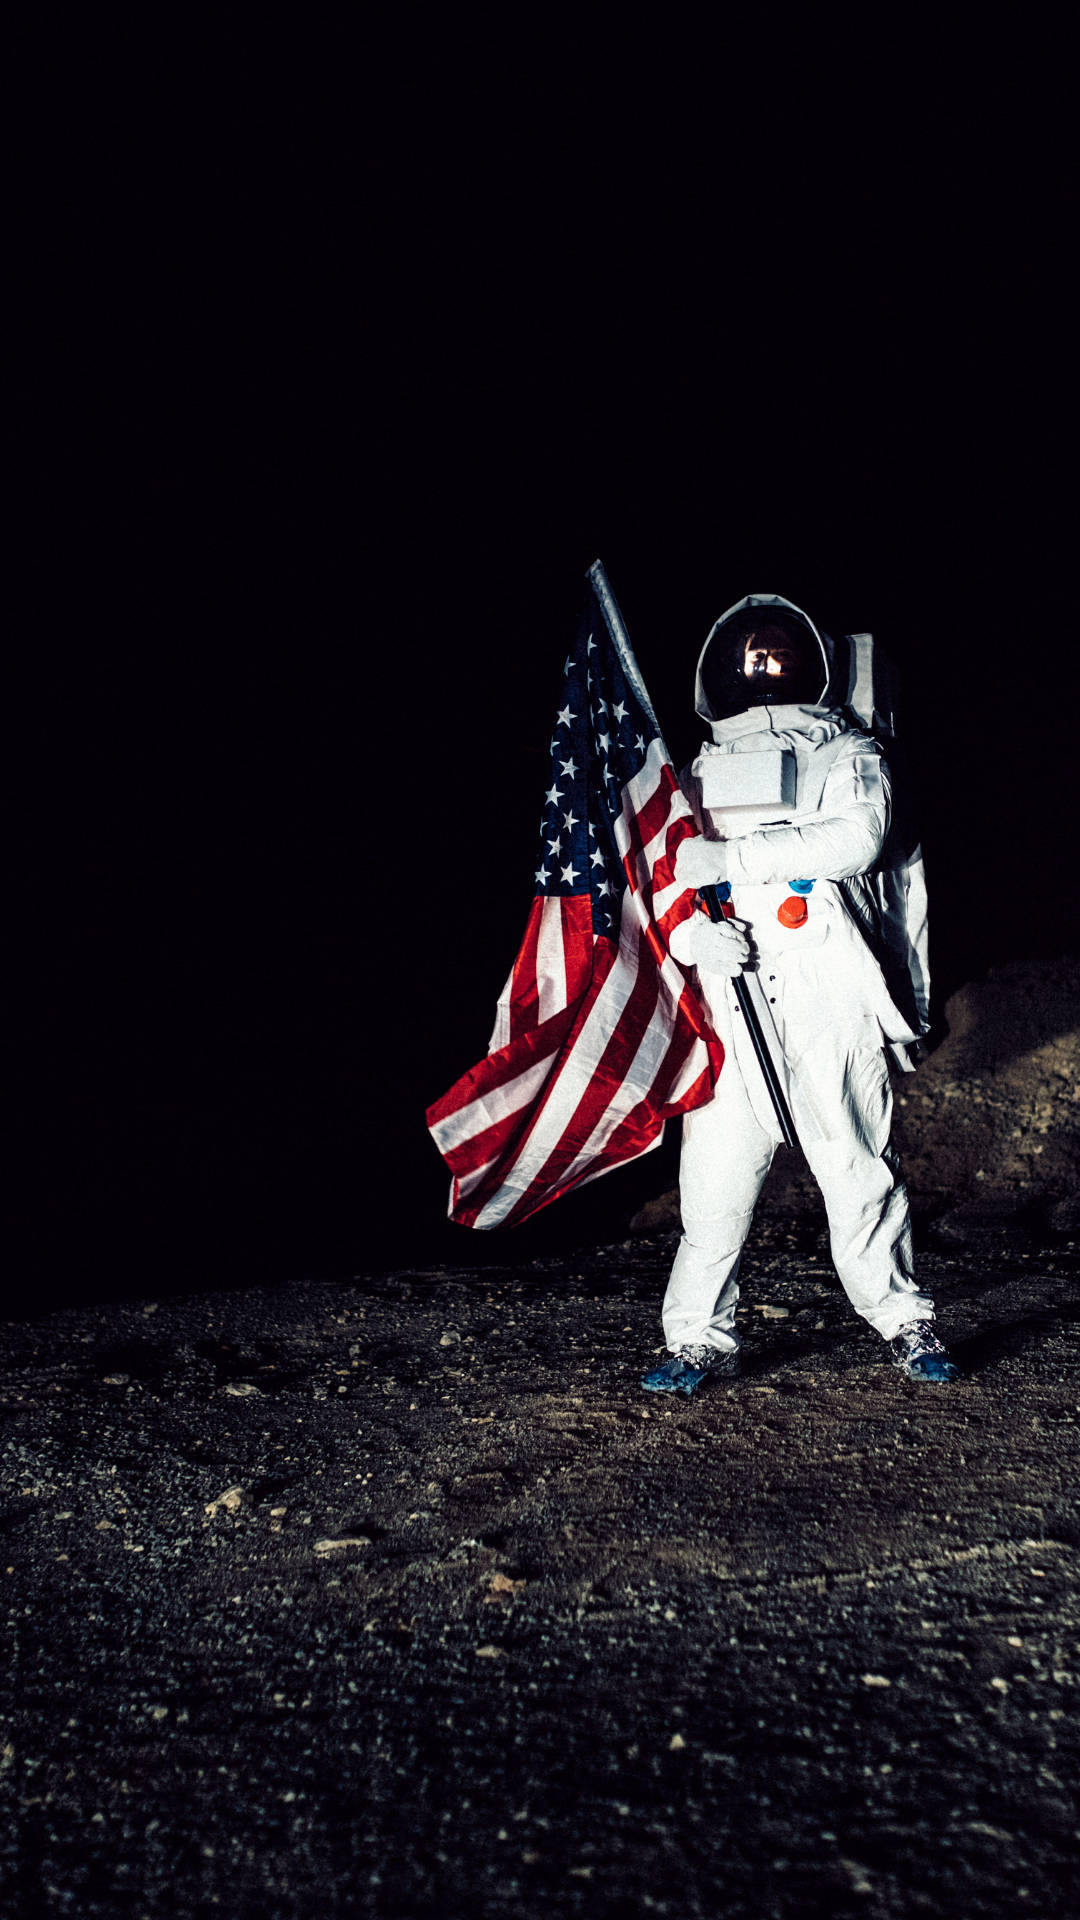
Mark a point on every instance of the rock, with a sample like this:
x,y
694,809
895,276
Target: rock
x,y
992,1110
335,1544
859,1876
658,1215
1063,1216
232,1499
502,1590
994,1102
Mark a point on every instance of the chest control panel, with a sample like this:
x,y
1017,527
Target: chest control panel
x,y
748,786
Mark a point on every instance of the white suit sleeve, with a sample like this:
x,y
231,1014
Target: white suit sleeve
x,y
845,839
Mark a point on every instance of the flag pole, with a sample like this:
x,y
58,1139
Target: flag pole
x,y
616,627
716,909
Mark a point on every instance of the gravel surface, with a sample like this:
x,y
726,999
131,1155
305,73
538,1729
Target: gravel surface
x,y
399,1597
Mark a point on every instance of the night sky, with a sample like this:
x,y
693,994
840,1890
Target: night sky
x,y
345,354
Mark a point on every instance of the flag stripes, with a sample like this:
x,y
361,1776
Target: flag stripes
x,y
599,1037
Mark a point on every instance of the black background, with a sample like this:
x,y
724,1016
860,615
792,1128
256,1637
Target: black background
x,y
345,352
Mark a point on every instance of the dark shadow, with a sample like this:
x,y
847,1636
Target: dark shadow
x,y
980,1350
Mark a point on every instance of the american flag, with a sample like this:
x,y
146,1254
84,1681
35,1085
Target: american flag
x,y
599,1038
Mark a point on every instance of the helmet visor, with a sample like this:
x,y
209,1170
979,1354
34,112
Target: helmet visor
x,y
762,658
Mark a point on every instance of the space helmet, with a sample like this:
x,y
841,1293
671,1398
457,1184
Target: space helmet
x,y
763,652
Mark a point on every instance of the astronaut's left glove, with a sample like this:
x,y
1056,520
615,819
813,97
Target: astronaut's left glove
x,y
700,862
717,946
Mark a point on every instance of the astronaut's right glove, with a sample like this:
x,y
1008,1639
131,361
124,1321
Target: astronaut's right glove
x,y
716,946
700,862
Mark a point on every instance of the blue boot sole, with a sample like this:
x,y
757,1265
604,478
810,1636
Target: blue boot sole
x,y
660,1382
932,1371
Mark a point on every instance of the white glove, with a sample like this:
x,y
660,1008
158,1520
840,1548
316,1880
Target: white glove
x,y
700,862
716,946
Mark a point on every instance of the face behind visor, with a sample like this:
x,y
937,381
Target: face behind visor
x,y
762,658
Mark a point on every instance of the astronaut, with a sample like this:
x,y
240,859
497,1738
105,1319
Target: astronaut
x,y
787,788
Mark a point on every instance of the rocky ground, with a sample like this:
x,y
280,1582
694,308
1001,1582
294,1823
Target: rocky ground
x,y
397,1597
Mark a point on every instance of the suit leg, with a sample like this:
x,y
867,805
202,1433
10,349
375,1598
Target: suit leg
x,y
725,1157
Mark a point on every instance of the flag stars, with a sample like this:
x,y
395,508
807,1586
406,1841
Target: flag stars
x,y
619,712
603,741
570,820
555,846
568,768
542,876
569,874
596,858
553,796
564,716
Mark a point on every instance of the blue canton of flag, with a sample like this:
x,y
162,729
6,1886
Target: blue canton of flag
x,y
601,737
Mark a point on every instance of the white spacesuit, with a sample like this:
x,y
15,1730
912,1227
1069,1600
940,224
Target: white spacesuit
x,y
787,788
